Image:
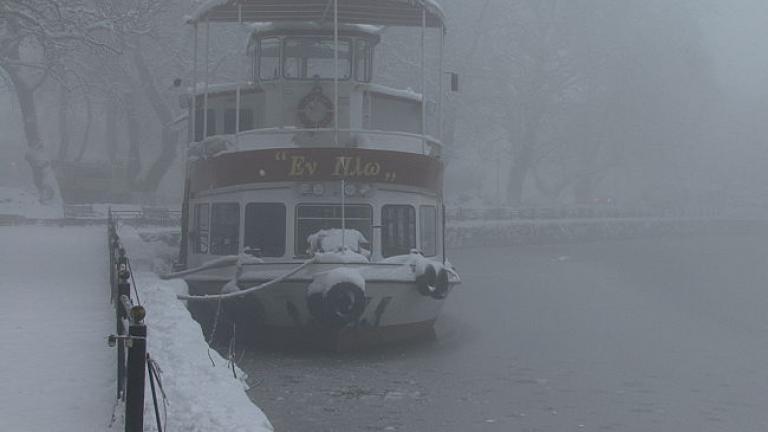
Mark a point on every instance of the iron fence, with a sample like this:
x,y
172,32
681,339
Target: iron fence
x,y
130,336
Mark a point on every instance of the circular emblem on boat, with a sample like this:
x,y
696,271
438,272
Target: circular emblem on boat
x,y
315,110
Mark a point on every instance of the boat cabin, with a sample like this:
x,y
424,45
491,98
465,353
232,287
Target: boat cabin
x,y
288,98
308,141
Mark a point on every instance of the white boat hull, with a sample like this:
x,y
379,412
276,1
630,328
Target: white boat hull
x,y
394,308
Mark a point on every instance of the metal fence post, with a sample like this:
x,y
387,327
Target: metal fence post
x,y
137,358
112,267
123,288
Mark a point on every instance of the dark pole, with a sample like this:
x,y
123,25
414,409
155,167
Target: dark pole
x,y
445,259
137,357
123,288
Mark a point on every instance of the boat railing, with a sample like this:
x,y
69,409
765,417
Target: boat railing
x,y
325,137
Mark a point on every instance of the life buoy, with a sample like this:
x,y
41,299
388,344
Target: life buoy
x,y
342,304
425,282
315,110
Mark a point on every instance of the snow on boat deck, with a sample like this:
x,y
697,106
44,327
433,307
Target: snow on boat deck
x,y
57,372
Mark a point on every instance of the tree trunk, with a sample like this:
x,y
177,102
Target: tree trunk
x,y
37,157
583,189
169,137
517,177
134,141
110,132
158,169
64,139
87,129
522,159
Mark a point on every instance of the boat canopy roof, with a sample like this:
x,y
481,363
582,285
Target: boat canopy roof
x,y
261,30
308,27
406,13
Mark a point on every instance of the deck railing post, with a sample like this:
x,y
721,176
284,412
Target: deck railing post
x,y
137,355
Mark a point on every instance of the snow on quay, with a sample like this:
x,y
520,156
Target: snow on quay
x,y
203,394
202,391
58,373
18,202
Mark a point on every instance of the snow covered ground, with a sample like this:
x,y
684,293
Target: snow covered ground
x,y
19,202
58,373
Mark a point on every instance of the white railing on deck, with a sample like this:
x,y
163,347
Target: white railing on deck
x,y
432,148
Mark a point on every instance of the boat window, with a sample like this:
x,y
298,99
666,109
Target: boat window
x,y
428,228
225,229
200,230
269,59
307,58
398,230
246,120
265,229
200,118
363,60
311,218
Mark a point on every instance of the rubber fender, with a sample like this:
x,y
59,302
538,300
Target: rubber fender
x,y
342,304
442,285
425,282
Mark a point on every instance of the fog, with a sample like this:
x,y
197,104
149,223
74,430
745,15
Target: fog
x,y
604,199
658,89
732,38
561,102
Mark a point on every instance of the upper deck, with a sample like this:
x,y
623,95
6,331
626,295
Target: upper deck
x,y
312,85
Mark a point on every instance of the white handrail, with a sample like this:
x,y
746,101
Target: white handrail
x,y
431,141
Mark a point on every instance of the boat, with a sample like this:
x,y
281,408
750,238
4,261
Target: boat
x,y
313,200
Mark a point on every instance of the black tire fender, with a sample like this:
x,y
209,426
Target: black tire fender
x,y
342,304
425,282
442,285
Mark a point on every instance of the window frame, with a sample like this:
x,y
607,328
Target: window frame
x,y
200,124
413,232
257,65
284,57
431,253
368,71
231,114
296,221
285,227
213,225
198,233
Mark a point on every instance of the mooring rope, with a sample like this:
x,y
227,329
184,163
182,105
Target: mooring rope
x,y
248,291
154,376
133,281
217,263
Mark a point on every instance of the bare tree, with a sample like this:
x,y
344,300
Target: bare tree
x,y
34,37
579,89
